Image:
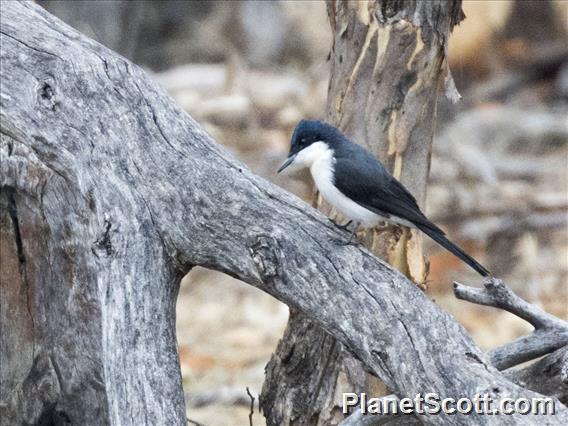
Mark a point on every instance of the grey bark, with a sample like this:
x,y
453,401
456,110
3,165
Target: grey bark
x,y
550,333
110,193
548,375
388,67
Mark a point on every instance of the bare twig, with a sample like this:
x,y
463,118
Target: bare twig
x,y
251,406
495,293
551,333
193,422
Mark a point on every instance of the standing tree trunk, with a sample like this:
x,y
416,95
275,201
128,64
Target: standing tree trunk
x,y
388,67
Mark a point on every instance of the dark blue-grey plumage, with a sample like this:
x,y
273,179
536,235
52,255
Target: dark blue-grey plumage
x,y
363,179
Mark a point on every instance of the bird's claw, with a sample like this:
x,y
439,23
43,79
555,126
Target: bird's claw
x,y
350,242
344,227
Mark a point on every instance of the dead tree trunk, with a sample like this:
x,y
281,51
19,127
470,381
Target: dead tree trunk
x,y
110,193
388,67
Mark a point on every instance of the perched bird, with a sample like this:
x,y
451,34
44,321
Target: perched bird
x,y
356,184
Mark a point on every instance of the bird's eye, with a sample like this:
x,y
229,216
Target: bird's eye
x,y
302,141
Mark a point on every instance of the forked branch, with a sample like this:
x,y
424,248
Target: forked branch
x,y
548,376
550,333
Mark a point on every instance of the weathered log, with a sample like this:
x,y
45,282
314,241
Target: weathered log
x,y
111,193
548,376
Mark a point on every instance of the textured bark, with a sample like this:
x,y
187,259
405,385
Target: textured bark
x,y
110,193
548,375
388,68
550,337
550,333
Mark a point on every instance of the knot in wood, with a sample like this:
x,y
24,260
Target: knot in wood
x,y
496,288
493,283
104,242
473,357
42,383
48,96
265,254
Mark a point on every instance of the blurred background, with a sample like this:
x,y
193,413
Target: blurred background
x,y
249,71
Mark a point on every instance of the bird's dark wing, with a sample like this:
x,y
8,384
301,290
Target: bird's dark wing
x,y
366,182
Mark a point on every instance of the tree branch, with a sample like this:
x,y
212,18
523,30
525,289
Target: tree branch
x,y
495,293
548,376
550,333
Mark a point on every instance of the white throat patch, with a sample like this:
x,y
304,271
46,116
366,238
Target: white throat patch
x,y
315,152
321,163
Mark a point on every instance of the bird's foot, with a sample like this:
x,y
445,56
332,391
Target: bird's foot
x,y
349,242
352,237
386,226
344,227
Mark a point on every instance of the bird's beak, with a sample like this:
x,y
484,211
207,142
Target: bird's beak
x,y
286,163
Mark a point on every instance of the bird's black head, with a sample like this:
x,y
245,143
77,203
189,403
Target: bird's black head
x,y
307,133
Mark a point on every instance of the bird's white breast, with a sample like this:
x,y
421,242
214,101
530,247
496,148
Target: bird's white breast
x,y
322,168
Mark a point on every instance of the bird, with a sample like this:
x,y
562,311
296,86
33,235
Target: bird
x,y
354,182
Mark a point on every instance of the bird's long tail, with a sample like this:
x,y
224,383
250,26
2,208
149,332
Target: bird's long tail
x,y
440,238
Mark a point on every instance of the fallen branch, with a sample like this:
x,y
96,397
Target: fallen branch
x,y
542,64
548,376
550,333
496,294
